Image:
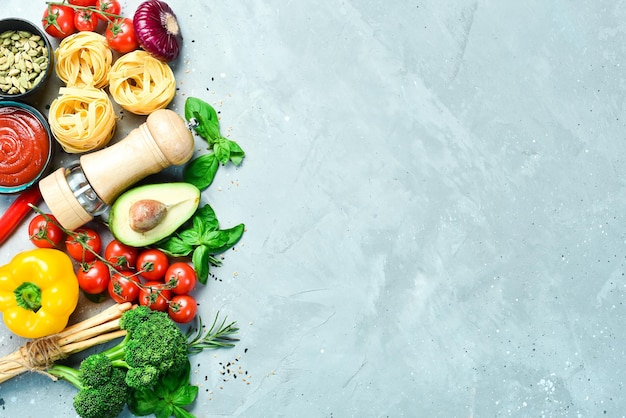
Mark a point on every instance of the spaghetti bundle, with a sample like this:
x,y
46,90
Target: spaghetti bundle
x,y
141,83
84,60
82,119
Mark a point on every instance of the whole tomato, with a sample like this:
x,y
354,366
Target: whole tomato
x,y
45,233
93,278
83,3
83,244
155,296
122,256
112,7
182,308
85,21
180,278
120,35
152,264
58,21
124,287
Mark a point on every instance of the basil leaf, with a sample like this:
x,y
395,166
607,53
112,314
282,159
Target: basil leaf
x,y
164,410
184,395
142,402
207,216
201,260
222,150
201,171
208,122
190,237
236,153
182,413
232,236
174,246
214,239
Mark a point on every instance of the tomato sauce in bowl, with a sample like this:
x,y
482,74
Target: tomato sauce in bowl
x,y
25,146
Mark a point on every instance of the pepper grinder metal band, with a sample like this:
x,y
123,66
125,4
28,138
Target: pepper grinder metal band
x,y
77,194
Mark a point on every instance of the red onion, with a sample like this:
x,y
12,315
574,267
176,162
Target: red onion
x,y
157,30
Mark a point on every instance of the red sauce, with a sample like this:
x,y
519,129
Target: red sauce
x,y
24,146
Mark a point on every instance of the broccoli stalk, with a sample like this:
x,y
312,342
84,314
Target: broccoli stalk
x,y
102,390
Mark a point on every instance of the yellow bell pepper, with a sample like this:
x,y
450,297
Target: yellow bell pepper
x,y
38,292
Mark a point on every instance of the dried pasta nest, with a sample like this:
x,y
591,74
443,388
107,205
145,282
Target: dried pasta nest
x,y
82,119
84,60
140,83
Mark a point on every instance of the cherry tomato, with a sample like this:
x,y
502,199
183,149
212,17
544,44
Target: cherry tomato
x,y
181,278
155,296
76,244
124,287
85,21
45,233
94,278
152,264
108,6
120,35
84,3
122,256
58,21
182,308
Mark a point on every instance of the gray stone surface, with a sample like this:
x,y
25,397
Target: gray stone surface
x,y
434,202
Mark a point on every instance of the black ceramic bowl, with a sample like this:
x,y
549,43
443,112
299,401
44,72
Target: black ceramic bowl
x,y
21,64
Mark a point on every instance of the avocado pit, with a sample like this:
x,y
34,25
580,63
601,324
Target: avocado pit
x,y
146,214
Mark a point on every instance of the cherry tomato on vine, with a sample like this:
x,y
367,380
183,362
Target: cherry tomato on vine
x,y
155,296
45,233
180,278
93,278
120,35
182,308
124,287
58,21
122,256
85,21
84,3
108,6
76,244
152,264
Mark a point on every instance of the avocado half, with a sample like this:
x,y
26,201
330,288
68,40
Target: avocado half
x,y
146,214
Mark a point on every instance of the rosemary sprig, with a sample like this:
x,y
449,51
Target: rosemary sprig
x,y
222,336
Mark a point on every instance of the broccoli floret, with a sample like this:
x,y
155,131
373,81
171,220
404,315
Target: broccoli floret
x,y
105,401
102,389
153,345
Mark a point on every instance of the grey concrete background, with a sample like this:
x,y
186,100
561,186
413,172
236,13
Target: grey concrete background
x,y
434,200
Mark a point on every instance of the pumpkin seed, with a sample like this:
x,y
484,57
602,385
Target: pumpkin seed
x,y
23,61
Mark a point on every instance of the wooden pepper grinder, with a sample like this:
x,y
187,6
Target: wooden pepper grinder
x,y
76,194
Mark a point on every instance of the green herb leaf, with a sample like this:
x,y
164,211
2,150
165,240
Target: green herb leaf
x,y
143,402
175,378
236,153
174,247
222,150
224,239
190,237
208,123
206,216
201,171
200,260
182,413
164,409
184,395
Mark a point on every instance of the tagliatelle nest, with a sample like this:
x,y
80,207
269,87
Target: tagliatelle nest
x,y
140,83
84,60
82,119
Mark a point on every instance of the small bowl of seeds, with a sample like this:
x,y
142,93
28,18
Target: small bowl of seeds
x,y
25,58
